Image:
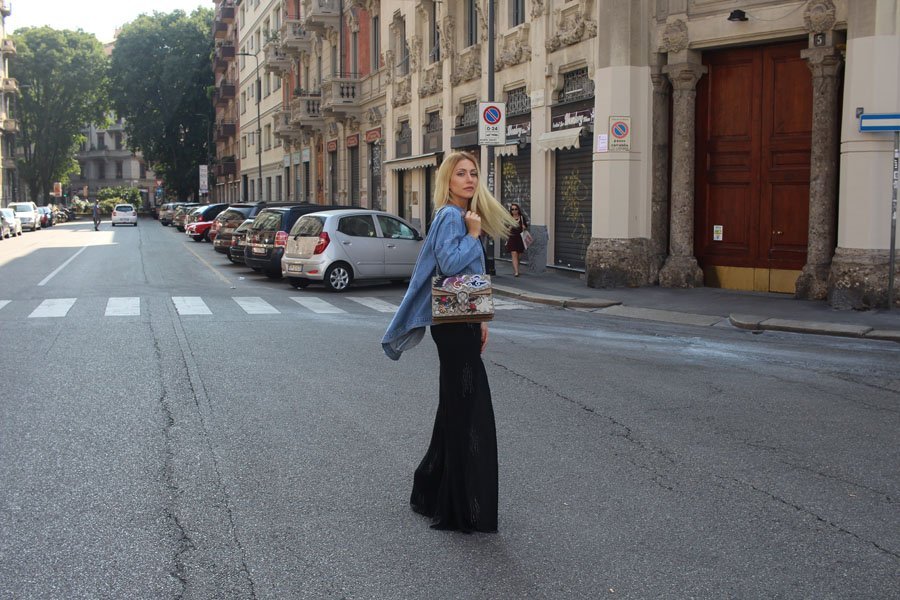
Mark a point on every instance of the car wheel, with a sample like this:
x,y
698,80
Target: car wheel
x,y
257,269
135,224
273,274
299,283
197,238
338,277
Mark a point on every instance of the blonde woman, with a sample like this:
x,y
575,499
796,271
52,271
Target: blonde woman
x,y
455,485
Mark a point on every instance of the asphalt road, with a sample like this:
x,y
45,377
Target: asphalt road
x,y
265,450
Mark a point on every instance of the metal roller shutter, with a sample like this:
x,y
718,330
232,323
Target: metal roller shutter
x,y
515,185
572,231
354,176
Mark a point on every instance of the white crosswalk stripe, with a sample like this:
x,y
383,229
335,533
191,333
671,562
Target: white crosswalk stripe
x,y
375,304
190,305
123,307
256,306
52,307
317,305
251,305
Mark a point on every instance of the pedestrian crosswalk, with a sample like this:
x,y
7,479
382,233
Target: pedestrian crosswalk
x,y
135,306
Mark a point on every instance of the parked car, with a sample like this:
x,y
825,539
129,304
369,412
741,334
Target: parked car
x,y
124,214
268,235
229,219
166,212
4,229
28,214
46,216
238,242
341,246
181,214
13,223
199,222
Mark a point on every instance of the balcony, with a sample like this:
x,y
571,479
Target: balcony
x,y
285,129
295,39
10,126
225,51
226,130
321,14
306,109
225,92
8,47
9,86
275,60
227,167
220,30
341,96
226,13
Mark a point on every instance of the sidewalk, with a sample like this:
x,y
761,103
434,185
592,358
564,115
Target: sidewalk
x,y
699,306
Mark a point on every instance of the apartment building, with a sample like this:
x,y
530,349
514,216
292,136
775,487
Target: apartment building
x,y
676,142
227,186
105,161
9,126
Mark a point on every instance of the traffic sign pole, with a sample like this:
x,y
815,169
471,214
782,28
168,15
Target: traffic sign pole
x,y
893,257
888,122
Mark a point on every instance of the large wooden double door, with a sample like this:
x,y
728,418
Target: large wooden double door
x,y
754,122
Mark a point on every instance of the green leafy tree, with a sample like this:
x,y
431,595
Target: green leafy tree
x,y
63,79
160,75
120,194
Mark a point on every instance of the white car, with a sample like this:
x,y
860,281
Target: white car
x,y
124,214
28,214
338,247
15,224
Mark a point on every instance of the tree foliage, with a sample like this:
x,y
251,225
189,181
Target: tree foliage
x,y
63,79
122,193
160,73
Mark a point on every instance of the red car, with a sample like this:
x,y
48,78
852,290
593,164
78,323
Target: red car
x,y
199,230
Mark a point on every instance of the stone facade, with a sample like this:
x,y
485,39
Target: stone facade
x,y
9,126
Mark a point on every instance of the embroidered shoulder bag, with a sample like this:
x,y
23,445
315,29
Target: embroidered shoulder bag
x,y
461,298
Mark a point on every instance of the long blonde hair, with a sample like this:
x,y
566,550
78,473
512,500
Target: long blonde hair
x,y
495,219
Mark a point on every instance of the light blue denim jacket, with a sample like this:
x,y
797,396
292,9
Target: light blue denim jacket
x,y
448,245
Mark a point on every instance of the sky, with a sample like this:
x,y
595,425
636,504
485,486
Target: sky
x,y
100,17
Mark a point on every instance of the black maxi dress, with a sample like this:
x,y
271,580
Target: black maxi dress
x,y
456,482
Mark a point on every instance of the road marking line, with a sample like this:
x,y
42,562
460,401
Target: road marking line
x,y
61,267
52,307
4,303
375,304
256,306
211,268
190,305
317,305
506,305
123,307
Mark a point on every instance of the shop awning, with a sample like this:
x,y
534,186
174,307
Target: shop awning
x,y
559,140
507,150
407,163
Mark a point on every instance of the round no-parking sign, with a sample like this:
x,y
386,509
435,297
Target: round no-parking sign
x,y
620,134
492,124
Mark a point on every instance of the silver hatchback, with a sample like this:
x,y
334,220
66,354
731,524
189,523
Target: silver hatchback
x,y
341,246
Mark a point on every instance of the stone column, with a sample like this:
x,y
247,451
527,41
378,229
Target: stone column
x,y
659,194
826,64
681,268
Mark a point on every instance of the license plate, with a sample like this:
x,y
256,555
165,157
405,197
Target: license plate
x,y
258,250
295,268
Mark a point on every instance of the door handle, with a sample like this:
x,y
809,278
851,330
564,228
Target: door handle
x,y
347,243
391,245
774,232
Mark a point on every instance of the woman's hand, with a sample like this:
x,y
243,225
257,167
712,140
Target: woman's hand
x,y
484,336
473,224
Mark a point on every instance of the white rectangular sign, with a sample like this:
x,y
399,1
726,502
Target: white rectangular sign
x,y
204,179
491,123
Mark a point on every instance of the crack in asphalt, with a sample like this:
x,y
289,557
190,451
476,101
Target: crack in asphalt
x,y
657,477
198,389
813,514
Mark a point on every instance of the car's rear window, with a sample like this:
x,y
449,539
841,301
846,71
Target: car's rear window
x,y
232,214
124,208
21,207
244,226
308,226
267,221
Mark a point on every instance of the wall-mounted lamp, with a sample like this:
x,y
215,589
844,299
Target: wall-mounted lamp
x,y
738,15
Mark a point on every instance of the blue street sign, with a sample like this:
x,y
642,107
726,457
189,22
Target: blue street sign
x,y
879,122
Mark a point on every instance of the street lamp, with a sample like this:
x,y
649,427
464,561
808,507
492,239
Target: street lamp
x,y
258,120
208,151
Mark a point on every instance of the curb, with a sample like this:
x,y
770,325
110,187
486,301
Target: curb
x,y
551,300
758,323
